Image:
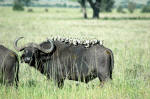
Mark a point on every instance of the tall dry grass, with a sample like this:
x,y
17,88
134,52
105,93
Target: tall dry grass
x,y
128,39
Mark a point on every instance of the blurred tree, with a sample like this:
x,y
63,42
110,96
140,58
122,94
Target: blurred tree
x,y
120,9
148,2
131,7
18,5
146,9
106,5
97,6
27,2
83,6
124,3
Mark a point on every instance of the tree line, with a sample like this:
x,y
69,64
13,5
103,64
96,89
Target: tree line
x,y
97,6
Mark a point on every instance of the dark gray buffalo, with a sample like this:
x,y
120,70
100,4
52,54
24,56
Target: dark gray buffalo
x,y
9,66
59,60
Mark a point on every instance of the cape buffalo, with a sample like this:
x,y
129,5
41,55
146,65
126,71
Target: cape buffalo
x,y
9,66
59,59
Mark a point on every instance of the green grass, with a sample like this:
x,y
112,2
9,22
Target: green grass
x,y
128,39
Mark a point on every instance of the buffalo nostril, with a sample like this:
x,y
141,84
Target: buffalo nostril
x,y
27,59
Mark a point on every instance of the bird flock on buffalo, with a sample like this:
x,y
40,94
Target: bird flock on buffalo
x,y
59,58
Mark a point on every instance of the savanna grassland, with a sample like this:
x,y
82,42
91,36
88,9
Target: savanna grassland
x,y
128,39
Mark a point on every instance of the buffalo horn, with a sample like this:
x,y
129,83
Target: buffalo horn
x,y
15,44
45,50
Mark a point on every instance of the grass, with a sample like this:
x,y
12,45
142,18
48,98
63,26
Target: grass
x,y
128,39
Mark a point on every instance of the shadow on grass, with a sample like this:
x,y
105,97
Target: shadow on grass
x,y
125,18
104,18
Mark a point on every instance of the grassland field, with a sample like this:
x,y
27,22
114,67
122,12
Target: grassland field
x,y
128,39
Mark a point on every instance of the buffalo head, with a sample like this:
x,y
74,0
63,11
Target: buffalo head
x,y
31,51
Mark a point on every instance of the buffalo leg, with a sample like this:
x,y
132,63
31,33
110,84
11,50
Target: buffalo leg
x,y
16,74
103,78
60,83
17,80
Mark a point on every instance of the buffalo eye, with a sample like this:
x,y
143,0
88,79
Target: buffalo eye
x,y
26,51
22,56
